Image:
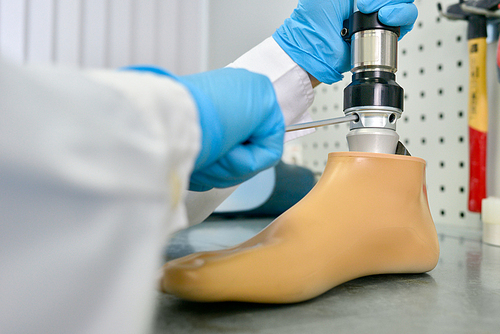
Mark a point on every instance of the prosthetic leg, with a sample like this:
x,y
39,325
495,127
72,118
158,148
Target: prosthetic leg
x,y
368,214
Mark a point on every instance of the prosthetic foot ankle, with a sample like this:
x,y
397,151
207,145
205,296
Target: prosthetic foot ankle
x,y
368,214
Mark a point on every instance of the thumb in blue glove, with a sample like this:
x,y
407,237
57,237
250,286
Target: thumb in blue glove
x,y
397,13
311,36
242,126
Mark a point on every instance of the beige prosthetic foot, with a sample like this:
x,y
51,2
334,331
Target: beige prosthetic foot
x,y
367,215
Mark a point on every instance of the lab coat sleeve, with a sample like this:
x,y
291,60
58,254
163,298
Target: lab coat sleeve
x,y
295,95
291,83
93,169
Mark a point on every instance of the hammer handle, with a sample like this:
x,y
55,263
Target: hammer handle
x,y
478,122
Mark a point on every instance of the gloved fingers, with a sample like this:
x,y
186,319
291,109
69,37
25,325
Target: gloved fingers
x,y
397,13
311,37
405,30
206,180
402,15
240,164
194,186
250,126
371,6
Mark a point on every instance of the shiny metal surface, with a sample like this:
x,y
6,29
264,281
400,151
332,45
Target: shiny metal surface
x,y
374,50
373,140
374,117
325,122
375,131
462,295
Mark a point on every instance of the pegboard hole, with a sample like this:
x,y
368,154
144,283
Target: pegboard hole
x,y
406,119
438,19
406,96
440,91
461,139
420,24
441,164
459,63
459,38
442,189
440,67
443,213
441,115
337,144
325,144
461,190
439,43
405,74
314,110
423,141
441,140
460,114
403,52
462,214
461,164
422,118
460,89
422,94
421,47
421,71
407,141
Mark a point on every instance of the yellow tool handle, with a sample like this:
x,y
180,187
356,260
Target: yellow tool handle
x,y
478,97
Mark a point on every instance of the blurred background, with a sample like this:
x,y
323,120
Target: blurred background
x,y
188,36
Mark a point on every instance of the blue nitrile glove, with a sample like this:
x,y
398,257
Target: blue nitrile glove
x,y
242,126
241,122
311,36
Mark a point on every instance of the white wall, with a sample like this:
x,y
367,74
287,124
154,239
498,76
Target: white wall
x,y
106,33
237,26
184,36
188,36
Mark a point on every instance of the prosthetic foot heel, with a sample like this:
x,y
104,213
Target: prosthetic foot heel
x,y
368,214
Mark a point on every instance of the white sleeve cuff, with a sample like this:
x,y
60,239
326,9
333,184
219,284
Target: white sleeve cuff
x,y
291,83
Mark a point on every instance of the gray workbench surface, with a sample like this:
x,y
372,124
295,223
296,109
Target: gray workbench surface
x,y
461,295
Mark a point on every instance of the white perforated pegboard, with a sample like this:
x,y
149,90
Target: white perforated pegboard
x,y
433,70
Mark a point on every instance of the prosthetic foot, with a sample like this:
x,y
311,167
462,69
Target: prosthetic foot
x,y
368,214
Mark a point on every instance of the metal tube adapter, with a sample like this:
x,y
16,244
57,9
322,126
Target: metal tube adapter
x,y
373,94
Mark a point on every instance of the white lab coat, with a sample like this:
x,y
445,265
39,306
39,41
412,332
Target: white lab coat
x,y
93,167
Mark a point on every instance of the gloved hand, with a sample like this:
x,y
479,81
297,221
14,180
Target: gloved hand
x,y
311,36
242,126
